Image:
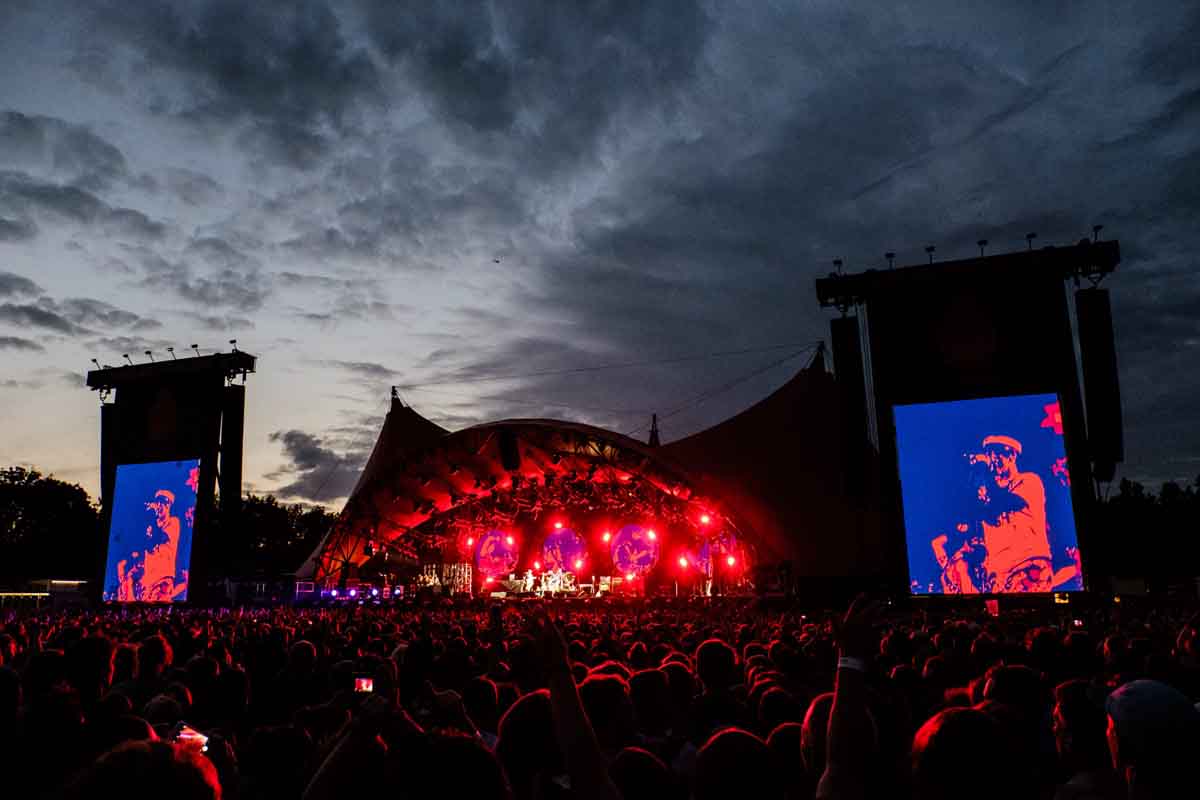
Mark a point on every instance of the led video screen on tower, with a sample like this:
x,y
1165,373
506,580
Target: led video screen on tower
x,y
986,495
150,536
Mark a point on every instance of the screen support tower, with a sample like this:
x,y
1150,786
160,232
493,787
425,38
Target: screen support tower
x,y
170,410
995,325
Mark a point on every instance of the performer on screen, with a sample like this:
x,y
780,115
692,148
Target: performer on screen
x,y
159,579
1006,546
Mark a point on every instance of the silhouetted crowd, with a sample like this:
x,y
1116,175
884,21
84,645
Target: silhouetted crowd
x,y
720,700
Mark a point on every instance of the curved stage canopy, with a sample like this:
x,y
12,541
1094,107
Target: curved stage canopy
x,y
775,477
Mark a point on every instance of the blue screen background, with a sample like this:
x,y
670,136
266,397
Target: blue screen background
x,y
936,483
135,486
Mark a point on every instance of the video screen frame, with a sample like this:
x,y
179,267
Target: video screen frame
x,y
985,495
150,535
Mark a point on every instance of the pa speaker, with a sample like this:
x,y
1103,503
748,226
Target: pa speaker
x,y
848,367
1101,385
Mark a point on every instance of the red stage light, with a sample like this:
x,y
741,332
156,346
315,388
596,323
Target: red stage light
x,y
579,563
558,526
683,562
607,536
508,540
488,579
651,534
730,561
470,541
537,565
630,576
705,519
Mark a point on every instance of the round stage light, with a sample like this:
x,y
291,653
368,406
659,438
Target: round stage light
x,y
579,563
629,576
651,535
334,592
470,541
374,593
634,550
354,592
607,537
496,554
731,561
562,548
558,526
705,519
683,562
537,565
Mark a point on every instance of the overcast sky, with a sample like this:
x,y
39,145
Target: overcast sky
x,y
375,193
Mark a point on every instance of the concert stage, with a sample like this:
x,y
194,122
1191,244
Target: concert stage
x,y
738,504
804,486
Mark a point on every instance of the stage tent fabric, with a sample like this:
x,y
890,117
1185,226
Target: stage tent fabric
x,y
778,472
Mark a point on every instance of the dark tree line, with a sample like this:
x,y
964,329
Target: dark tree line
x,y
52,528
1137,533
47,526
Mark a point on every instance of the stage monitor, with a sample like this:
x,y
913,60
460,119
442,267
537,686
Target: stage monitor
x,y
986,496
150,535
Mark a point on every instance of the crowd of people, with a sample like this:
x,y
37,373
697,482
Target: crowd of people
x,y
588,700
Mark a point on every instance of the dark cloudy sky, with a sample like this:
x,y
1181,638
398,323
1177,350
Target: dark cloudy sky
x,y
332,183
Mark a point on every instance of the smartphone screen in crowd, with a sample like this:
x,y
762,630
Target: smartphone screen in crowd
x,y
190,737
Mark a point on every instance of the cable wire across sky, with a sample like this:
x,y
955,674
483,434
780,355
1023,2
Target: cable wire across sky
x,y
601,367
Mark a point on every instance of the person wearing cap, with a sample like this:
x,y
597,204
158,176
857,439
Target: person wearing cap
x,y
1012,531
159,580
1153,737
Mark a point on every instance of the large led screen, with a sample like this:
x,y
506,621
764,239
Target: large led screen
x,y
987,496
150,537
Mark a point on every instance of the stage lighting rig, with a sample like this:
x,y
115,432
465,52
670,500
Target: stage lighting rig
x,y
127,358
1087,259
171,350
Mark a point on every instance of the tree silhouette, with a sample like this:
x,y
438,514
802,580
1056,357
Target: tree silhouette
x,y
267,537
47,526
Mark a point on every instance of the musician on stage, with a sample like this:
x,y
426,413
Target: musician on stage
x,y
1006,547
